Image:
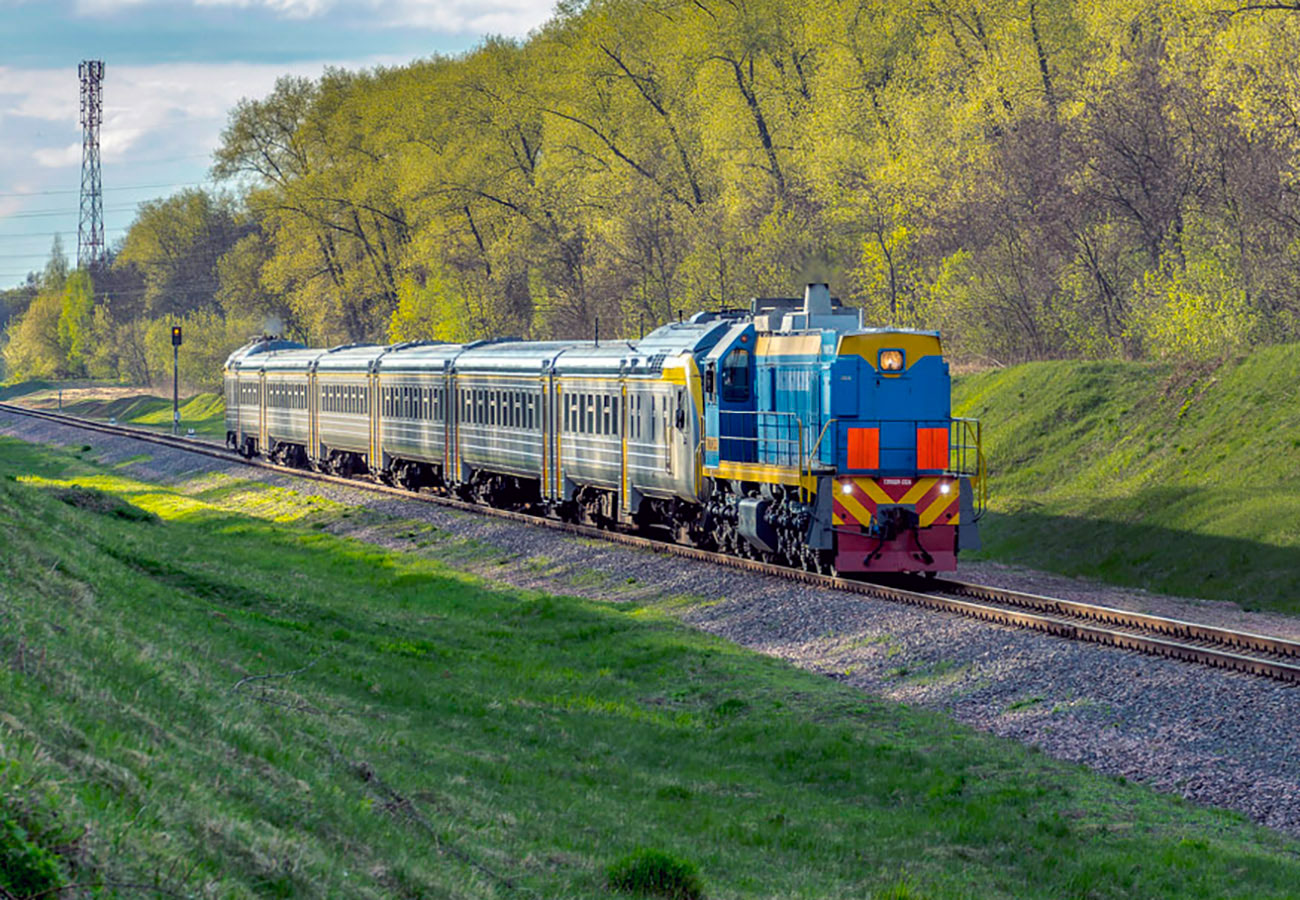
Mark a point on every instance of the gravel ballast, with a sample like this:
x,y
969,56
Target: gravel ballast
x,y
1214,737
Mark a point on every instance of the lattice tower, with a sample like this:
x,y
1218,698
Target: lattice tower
x,y
90,230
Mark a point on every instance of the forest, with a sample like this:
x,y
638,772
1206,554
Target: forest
x,y
1035,178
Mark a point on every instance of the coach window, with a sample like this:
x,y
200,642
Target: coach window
x,y
735,376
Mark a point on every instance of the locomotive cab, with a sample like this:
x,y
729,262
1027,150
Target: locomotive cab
x,y
825,438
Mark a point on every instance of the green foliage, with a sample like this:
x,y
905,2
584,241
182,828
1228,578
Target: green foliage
x,y
26,869
1037,178
75,320
175,244
431,312
33,349
1198,312
209,338
33,840
655,873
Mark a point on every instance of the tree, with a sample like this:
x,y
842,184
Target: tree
x,y
175,245
33,349
74,326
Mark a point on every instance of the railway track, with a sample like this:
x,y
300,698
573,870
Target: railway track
x,y
1223,648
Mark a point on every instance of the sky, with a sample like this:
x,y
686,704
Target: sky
x,y
173,70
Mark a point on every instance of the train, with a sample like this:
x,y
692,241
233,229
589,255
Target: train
x,y
786,432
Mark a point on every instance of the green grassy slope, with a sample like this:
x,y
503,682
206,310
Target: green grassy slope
x,y
205,688
1178,479
24,388
205,413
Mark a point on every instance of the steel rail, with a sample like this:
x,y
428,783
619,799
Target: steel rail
x,y
1223,648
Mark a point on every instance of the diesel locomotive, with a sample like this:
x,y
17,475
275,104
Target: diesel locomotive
x,y
787,432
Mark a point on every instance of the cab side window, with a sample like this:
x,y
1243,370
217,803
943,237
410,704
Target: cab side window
x,y
735,376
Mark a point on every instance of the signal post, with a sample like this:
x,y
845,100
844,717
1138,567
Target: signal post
x,y
176,356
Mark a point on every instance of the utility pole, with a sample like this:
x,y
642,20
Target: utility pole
x,y
176,379
90,230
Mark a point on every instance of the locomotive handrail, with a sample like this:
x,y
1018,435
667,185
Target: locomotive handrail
x,y
780,446
812,454
969,441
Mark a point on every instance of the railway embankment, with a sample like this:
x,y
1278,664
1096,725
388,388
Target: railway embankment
x,y
1177,478
339,694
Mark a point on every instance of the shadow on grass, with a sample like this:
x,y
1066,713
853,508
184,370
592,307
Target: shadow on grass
x,y
1255,575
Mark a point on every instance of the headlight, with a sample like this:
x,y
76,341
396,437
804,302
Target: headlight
x,y
891,360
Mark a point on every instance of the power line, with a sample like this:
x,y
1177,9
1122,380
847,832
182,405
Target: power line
x,y
47,213
48,234
133,187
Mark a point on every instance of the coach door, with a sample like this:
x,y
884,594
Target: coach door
x,y
261,411
313,414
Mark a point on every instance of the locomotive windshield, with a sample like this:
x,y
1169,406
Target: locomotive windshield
x,y
735,376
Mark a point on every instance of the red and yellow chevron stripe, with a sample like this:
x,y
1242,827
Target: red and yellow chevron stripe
x,y
935,499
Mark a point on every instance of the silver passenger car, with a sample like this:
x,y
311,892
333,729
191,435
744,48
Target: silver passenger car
x,y
561,420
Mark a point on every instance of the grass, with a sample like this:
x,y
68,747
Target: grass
x,y
224,698
1178,479
205,413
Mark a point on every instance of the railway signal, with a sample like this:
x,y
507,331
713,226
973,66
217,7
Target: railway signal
x,y
176,406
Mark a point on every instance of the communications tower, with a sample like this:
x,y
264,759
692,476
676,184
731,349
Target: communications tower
x,y
90,230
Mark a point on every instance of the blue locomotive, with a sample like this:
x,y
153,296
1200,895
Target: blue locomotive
x,y
787,433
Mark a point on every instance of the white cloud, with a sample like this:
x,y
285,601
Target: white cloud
x,y
289,9
57,157
512,17
182,106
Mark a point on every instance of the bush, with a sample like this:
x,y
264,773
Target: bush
x,y
25,868
654,872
